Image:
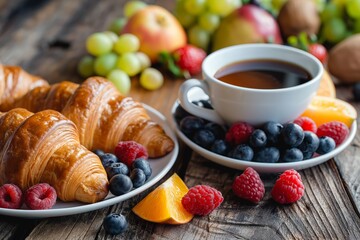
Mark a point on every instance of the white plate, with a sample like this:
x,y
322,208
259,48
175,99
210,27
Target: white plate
x,y
159,166
197,94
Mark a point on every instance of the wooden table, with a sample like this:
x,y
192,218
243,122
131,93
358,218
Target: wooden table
x,y
47,38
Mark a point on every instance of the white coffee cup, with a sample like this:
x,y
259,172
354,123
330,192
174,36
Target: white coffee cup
x,y
256,106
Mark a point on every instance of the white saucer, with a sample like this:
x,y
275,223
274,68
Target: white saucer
x,y
260,167
160,167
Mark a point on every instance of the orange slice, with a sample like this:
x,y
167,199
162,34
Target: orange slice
x,y
327,87
163,204
325,109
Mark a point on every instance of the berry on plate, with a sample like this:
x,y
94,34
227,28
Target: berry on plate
x,y
267,155
10,196
116,168
128,151
202,200
273,132
326,145
144,165
309,144
288,187
120,184
115,224
249,186
292,135
336,130
242,152
108,159
239,133
190,124
137,177
40,196
306,123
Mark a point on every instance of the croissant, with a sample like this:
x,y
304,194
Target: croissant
x,y
44,147
102,115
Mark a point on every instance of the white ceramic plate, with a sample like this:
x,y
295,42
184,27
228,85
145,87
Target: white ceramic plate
x,y
159,166
198,94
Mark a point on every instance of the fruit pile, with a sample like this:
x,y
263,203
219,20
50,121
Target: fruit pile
x,y
128,168
202,17
273,142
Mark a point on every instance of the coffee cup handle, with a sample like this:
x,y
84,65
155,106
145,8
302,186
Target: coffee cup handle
x,y
193,109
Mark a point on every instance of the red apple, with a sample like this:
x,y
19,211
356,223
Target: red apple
x,y
247,24
157,29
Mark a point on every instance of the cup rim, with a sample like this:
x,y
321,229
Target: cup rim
x,y
257,46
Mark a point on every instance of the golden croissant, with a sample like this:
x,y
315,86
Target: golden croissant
x,y
45,147
102,115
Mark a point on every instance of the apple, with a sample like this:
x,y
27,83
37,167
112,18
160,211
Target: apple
x,y
247,24
157,29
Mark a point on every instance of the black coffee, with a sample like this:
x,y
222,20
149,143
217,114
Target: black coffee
x,y
263,74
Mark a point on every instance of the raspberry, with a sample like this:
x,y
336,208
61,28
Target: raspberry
x,y
40,196
249,186
336,130
128,151
288,187
190,58
306,123
10,196
239,133
201,200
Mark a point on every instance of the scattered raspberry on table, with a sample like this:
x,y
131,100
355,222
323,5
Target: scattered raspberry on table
x,y
288,187
249,186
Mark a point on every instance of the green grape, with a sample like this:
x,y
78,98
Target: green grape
x,y
185,19
132,7
98,44
339,3
224,7
129,63
353,8
117,25
334,30
113,36
194,7
209,21
120,79
199,37
320,4
105,63
127,43
86,66
144,59
151,79
330,11
277,4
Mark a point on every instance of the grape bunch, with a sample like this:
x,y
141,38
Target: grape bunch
x,y
340,19
117,57
201,18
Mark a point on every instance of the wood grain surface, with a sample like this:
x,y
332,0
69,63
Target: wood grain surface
x,y
47,38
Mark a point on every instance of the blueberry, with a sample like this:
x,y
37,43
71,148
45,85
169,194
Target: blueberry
x,y
115,224
258,139
272,131
356,91
108,158
220,147
203,104
180,113
242,152
204,138
326,145
309,144
116,168
216,129
144,165
292,135
191,124
120,184
292,155
137,177
98,152
268,155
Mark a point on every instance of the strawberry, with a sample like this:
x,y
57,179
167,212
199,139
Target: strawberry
x,y
319,51
185,61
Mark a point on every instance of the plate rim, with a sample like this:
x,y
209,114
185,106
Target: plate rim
x,y
258,166
58,212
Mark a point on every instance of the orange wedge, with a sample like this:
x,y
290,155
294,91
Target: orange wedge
x,y
325,109
327,87
163,204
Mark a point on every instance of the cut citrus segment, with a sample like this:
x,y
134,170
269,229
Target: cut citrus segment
x,y
163,204
325,109
327,87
